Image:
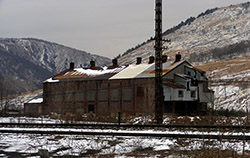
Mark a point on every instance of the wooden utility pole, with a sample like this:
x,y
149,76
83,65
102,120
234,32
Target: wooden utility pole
x,y
158,62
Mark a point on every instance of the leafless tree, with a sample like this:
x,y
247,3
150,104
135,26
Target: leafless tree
x,y
5,89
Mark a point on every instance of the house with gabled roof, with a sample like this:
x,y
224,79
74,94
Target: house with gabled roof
x,y
127,89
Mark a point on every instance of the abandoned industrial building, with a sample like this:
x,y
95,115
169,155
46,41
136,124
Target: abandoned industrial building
x,y
127,89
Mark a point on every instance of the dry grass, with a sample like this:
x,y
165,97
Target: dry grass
x,y
227,66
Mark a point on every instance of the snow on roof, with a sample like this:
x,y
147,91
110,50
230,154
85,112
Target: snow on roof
x,y
84,73
37,99
132,71
104,70
50,80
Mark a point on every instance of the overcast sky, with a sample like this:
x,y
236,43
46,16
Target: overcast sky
x,y
104,27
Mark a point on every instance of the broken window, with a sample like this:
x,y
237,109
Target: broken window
x,y
69,96
102,95
58,96
47,97
127,94
79,96
91,95
115,95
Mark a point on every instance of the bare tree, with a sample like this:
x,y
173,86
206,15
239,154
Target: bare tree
x,y
5,89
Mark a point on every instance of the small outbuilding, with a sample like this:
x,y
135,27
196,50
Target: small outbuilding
x,y
33,107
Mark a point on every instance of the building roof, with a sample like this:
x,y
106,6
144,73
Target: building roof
x,y
86,74
37,99
184,76
173,85
197,69
145,70
132,71
166,68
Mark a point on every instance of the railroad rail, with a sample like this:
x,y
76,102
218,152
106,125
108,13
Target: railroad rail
x,y
110,125
239,136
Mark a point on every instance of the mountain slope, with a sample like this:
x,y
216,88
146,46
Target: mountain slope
x,y
217,41
231,83
216,28
26,62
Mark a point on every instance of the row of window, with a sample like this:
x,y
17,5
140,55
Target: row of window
x,y
79,96
180,94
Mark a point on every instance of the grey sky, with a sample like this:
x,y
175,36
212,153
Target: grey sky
x,y
104,27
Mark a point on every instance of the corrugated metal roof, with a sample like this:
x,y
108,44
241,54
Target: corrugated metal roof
x,y
123,72
131,71
150,72
86,73
197,69
145,70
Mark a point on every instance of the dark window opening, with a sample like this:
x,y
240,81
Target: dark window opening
x,y
192,94
91,108
140,92
188,88
180,93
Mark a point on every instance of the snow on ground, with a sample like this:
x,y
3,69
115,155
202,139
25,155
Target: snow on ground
x,y
242,74
142,131
231,97
28,145
234,95
84,146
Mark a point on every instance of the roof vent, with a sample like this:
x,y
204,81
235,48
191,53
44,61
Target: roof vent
x,y
115,63
92,63
151,59
178,57
164,58
138,60
71,66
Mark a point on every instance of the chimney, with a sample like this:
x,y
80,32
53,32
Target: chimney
x,y
92,63
138,60
164,58
151,59
114,61
177,57
71,66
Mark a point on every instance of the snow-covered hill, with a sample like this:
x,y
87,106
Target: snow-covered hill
x,y
230,79
217,40
196,37
26,62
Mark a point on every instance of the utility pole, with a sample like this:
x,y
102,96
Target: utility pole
x,y
158,62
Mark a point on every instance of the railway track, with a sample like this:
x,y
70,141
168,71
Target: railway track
x,y
92,125
173,135
125,130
